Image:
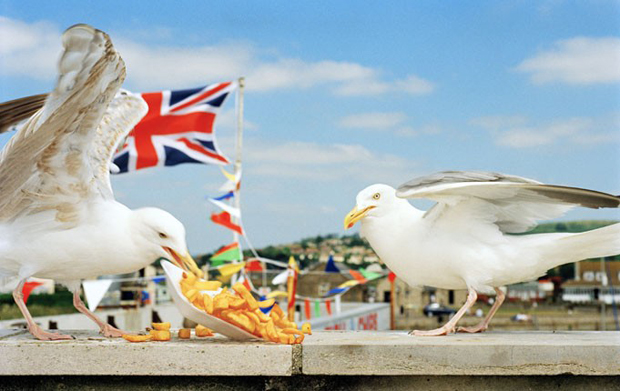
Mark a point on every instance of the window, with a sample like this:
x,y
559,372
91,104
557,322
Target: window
x,y
588,276
323,288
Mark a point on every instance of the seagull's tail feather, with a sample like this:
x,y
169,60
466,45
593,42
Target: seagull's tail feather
x,y
597,243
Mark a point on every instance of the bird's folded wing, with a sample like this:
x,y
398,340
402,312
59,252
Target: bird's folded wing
x,y
513,203
47,164
15,111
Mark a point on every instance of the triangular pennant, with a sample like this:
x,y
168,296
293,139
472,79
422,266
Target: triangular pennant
x,y
226,196
331,266
280,278
223,219
370,275
317,308
230,252
94,290
391,276
225,207
253,265
349,284
28,288
358,276
230,269
328,307
307,309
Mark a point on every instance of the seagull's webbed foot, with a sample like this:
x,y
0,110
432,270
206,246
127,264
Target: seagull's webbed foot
x,y
43,335
111,331
479,328
443,330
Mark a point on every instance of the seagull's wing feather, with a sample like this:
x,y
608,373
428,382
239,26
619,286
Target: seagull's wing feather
x,y
47,164
513,203
15,111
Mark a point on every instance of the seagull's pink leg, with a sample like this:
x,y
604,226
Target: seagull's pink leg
x,y
451,325
104,328
34,328
482,326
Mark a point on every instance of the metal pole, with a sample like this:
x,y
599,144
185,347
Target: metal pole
x,y
392,302
600,295
238,150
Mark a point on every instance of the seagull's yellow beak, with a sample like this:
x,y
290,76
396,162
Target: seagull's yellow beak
x,y
355,215
184,261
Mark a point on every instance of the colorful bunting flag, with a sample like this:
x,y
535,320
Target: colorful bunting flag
x,y
331,266
317,308
254,265
328,307
223,219
358,276
28,288
230,252
349,284
230,269
391,276
94,290
370,275
280,278
226,196
307,309
235,212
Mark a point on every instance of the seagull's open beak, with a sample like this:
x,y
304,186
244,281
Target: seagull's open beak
x,y
184,261
355,215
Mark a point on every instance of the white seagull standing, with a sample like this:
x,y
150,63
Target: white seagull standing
x,y
465,241
58,216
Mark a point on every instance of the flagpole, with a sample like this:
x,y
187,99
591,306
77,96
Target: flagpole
x,y
238,150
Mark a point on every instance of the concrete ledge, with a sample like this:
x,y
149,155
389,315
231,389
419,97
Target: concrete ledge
x,y
492,353
90,354
326,354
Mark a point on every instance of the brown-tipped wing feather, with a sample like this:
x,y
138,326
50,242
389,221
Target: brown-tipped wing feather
x,y
17,110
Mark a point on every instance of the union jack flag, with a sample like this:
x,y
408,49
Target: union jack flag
x,y
178,128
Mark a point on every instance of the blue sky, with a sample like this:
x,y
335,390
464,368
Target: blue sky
x,y
341,95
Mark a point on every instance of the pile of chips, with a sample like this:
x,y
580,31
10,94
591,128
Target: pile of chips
x,y
161,332
238,307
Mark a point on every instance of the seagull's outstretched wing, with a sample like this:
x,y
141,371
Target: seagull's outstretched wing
x,y
513,203
15,111
58,157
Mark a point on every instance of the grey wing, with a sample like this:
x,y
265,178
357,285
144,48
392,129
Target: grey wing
x,y
514,204
47,164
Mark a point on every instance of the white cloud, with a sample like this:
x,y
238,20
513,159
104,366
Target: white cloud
x,y
326,162
377,121
518,132
578,61
32,50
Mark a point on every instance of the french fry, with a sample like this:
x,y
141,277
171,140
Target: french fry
x,y
276,309
261,315
240,320
306,328
161,326
185,333
220,302
253,317
207,285
208,304
198,302
137,338
202,331
191,294
237,303
243,291
189,277
160,335
266,303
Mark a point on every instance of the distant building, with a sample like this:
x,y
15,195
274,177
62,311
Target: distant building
x,y
593,285
316,283
413,299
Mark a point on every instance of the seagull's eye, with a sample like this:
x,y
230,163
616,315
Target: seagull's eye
x,y
163,235
376,196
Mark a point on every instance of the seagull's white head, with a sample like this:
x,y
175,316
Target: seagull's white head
x,y
373,201
164,236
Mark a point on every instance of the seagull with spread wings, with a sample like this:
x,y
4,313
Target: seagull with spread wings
x,y
466,240
58,216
